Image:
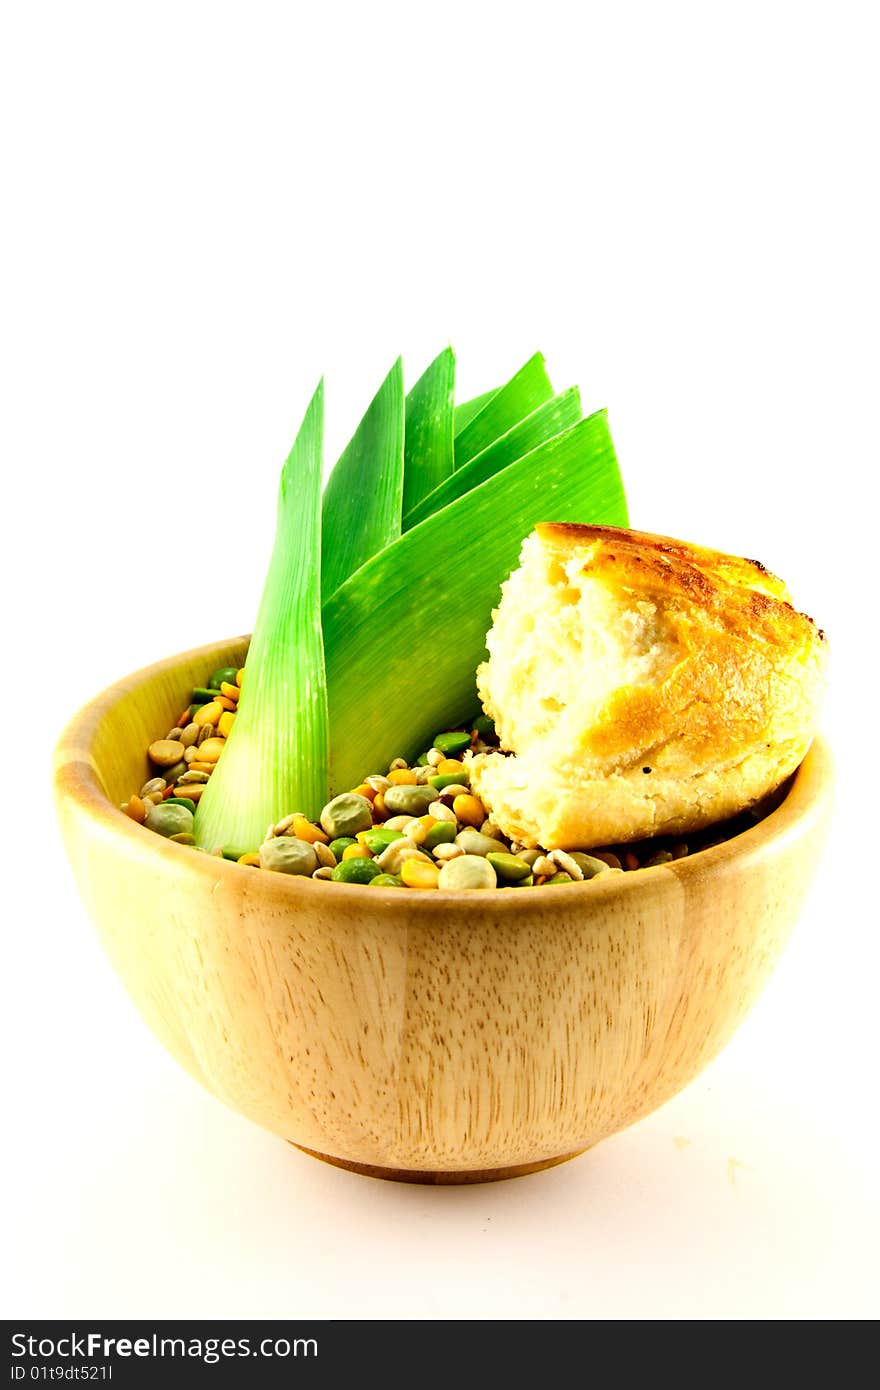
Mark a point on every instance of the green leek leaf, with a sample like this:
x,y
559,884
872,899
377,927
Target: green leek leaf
x,y
549,419
403,636
466,411
428,453
276,754
525,391
363,498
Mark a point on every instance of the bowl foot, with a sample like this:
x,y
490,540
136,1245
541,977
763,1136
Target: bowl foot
x,y
434,1178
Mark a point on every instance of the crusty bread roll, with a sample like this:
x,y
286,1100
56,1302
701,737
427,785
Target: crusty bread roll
x,y
643,685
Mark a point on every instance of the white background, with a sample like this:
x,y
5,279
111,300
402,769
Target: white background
x,y
206,207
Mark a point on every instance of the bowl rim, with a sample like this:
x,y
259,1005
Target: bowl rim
x,y
76,782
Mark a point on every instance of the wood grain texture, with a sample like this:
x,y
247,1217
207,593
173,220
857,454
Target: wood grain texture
x,y
443,1034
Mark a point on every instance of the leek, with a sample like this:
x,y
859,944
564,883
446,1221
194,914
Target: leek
x,y
428,447
404,616
466,410
363,498
403,636
549,419
525,391
276,757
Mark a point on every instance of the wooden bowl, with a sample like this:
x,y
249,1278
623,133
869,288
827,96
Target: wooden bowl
x,y
428,1037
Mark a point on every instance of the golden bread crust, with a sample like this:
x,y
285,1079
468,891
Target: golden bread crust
x,y
646,685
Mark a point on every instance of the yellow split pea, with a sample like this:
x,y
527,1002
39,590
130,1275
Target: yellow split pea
x,y
208,714
303,829
210,750
418,873
451,767
469,810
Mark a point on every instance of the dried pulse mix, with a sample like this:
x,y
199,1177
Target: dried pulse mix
x,y
416,827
